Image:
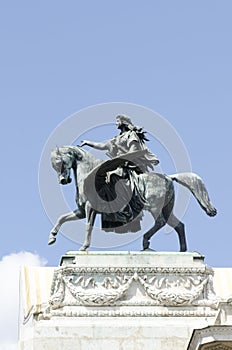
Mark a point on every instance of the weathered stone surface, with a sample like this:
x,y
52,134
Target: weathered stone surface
x,y
124,300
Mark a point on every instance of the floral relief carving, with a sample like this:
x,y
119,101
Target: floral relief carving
x,y
179,291
109,286
105,293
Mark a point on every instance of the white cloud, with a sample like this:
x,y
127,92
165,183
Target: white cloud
x,y
9,295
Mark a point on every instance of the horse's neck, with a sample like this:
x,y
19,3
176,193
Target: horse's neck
x,y
81,172
86,167
86,164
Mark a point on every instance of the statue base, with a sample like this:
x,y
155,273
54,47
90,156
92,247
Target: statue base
x,y
123,300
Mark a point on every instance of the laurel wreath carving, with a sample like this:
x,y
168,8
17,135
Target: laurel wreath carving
x,y
102,290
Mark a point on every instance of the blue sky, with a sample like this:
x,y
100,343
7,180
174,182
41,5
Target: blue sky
x,y
57,57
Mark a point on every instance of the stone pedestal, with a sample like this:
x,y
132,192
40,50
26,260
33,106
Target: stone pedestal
x,y
123,301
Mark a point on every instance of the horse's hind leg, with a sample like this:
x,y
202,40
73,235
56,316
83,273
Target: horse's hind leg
x,y
71,216
179,228
159,223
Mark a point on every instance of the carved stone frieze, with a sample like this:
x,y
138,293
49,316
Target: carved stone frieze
x,y
174,291
75,287
91,292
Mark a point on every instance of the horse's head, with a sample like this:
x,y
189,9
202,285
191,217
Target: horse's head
x,y
63,160
69,157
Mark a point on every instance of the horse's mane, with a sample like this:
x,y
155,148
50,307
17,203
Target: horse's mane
x,y
87,156
85,160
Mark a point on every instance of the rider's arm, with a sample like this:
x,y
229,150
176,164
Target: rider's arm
x,y
97,145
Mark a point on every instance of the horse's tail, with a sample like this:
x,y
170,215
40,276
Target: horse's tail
x,y
195,184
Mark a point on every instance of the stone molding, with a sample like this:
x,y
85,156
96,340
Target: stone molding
x,y
211,338
126,313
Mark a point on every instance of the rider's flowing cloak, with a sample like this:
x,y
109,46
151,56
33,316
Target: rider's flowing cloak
x,y
129,142
112,190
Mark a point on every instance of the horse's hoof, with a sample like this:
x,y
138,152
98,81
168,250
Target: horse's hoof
x,y
82,249
146,244
51,239
148,250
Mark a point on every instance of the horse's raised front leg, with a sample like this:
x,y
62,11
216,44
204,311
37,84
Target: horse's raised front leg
x,y
71,216
90,218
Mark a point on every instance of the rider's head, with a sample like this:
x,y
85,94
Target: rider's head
x,y
123,122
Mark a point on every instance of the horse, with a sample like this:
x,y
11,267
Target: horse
x,y
156,189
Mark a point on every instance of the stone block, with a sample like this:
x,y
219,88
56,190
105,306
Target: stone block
x,y
100,344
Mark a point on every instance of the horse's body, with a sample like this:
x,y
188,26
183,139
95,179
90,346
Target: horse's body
x,y
156,189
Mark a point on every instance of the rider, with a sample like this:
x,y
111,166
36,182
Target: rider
x,y
130,143
130,139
